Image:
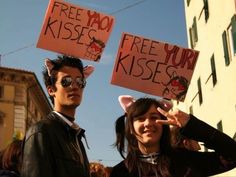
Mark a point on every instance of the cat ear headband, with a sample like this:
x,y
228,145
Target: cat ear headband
x,y
127,100
49,64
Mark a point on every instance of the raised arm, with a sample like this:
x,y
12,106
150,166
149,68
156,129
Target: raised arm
x,y
193,128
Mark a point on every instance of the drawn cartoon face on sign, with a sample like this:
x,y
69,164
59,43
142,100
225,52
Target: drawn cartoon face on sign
x,y
176,87
95,49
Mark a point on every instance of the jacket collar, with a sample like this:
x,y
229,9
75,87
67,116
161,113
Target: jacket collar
x,y
73,125
79,131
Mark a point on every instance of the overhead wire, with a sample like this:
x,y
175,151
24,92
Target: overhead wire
x,y
127,7
17,50
112,13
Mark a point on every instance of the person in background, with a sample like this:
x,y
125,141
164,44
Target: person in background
x,y
11,159
108,170
97,170
180,141
143,140
53,147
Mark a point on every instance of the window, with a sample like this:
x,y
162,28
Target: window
x,y
191,37
188,2
220,126
2,115
199,91
1,91
232,35
213,70
20,93
229,41
206,9
193,33
225,46
191,109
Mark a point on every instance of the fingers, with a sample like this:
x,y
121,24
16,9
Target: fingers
x,y
164,113
172,117
168,122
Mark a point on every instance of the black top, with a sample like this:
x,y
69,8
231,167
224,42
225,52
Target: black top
x,y
7,173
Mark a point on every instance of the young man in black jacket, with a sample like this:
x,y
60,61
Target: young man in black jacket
x,y
53,146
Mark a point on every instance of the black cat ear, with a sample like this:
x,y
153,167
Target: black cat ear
x,y
49,65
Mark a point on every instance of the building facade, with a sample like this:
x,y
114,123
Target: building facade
x,y
211,29
22,102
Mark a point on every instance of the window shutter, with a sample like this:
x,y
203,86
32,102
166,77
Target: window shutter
x,y
191,37
213,70
206,9
199,91
226,52
188,2
233,23
195,29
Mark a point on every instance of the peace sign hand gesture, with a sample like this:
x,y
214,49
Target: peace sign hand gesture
x,y
174,117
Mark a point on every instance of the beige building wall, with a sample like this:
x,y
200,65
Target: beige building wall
x,y
218,105
22,102
7,110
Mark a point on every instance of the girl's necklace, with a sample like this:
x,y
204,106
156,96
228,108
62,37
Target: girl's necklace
x,y
151,158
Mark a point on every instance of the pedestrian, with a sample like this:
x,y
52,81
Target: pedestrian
x,y
11,159
143,140
53,146
97,170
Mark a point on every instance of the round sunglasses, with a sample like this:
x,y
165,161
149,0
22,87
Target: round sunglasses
x,y
68,81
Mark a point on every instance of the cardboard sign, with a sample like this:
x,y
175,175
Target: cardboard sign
x,y
154,67
75,31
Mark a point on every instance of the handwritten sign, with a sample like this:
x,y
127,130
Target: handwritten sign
x,y
72,30
154,67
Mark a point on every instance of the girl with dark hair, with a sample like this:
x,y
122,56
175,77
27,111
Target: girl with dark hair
x,y
143,140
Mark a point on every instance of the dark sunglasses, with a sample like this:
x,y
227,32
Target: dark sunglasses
x,y
68,81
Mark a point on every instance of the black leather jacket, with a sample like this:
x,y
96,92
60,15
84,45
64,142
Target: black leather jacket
x,y
53,149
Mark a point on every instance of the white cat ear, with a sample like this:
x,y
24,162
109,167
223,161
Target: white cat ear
x,y
88,70
49,65
125,101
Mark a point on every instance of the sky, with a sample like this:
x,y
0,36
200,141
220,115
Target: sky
x,y
20,26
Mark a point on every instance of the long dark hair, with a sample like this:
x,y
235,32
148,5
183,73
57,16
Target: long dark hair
x,y
127,144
